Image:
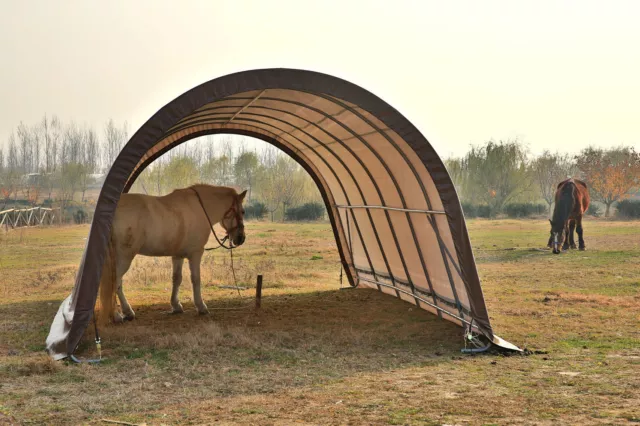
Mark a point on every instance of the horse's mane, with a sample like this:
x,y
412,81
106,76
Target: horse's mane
x,y
226,190
573,180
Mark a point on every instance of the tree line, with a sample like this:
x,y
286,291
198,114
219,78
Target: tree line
x,y
275,183
53,162
55,159
58,162
496,174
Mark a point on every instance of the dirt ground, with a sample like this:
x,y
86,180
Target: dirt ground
x,y
315,354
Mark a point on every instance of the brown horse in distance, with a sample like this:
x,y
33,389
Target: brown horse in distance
x,y
572,201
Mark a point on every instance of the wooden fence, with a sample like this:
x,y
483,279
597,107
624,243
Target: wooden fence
x,y
35,216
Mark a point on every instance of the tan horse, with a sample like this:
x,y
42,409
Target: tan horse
x,y
176,225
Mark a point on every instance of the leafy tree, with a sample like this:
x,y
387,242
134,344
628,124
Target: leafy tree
x,y
498,172
457,172
179,172
245,169
611,174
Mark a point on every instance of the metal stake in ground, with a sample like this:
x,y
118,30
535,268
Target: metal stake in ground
x,y
258,291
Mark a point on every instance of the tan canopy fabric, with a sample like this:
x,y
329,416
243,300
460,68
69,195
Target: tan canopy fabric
x,y
395,213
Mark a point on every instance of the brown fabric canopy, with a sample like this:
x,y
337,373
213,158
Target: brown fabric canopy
x,y
394,211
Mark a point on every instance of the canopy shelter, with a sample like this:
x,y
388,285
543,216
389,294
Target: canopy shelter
x,y
395,213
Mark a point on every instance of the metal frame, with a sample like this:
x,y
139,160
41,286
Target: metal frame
x,y
205,116
246,106
417,177
197,120
256,124
396,209
438,308
201,119
309,147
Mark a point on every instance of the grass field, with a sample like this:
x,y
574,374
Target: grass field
x,y
317,355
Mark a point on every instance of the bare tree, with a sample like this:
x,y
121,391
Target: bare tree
x,y
72,169
52,135
24,148
3,190
115,138
91,158
550,169
12,171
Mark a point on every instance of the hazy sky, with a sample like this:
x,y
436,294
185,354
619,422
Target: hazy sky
x,y
559,75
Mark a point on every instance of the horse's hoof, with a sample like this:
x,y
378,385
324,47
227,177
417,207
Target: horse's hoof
x,y
583,248
128,315
177,310
573,247
204,311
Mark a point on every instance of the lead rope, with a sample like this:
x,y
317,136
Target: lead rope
x,y
211,226
230,248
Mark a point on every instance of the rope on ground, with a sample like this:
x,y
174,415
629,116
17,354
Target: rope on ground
x,y
118,422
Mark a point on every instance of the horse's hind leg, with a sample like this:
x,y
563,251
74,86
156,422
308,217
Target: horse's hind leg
x,y
572,240
176,306
194,266
579,231
121,268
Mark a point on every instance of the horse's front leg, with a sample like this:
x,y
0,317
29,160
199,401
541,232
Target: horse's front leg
x,y
194,266
565,244
572,239
176,306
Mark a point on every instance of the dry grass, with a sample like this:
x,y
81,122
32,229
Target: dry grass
x,y
315,354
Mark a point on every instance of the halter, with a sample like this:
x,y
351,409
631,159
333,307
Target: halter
x,y
232,211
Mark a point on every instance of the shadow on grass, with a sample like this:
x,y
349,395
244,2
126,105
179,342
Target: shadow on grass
x,y
293,340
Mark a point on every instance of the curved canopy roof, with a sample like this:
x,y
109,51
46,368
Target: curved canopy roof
x,y
395,213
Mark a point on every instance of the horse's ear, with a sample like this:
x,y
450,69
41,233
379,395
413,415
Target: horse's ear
x,y
242,195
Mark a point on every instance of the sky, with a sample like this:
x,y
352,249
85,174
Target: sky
x,y
558,75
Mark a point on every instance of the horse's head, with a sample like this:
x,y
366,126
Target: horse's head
x,y
233,220
556,236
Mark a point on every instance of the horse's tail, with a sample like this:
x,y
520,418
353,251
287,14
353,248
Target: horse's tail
x,y
108,285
